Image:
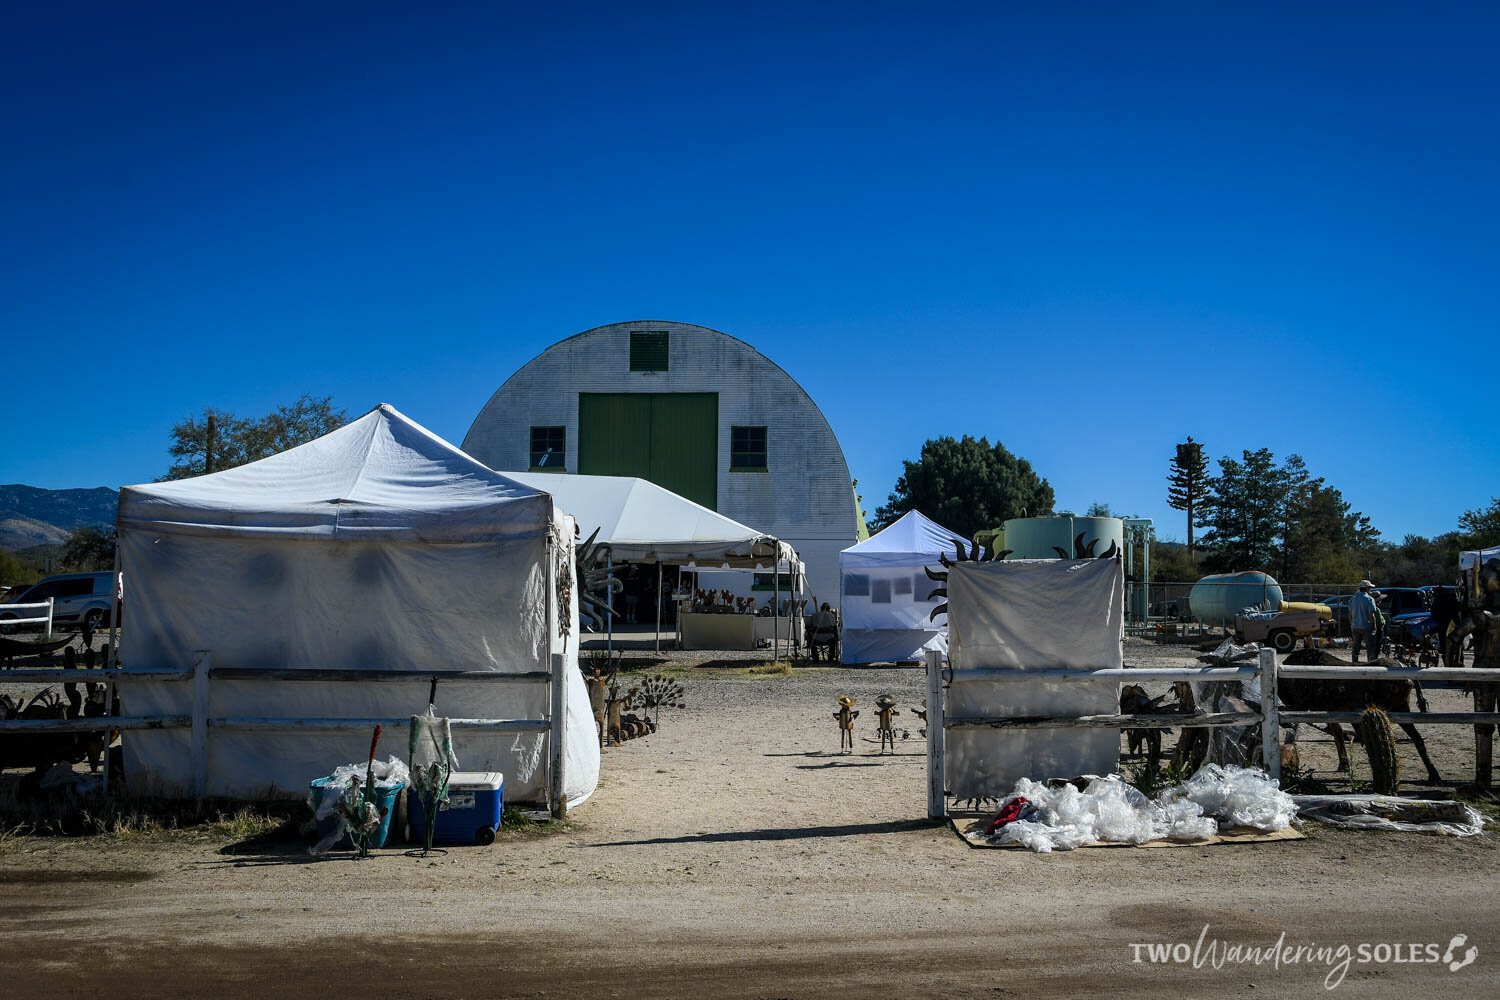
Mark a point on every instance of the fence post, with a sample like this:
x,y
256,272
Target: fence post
x,y
558,735
202,663
49,618
1270,728
937,803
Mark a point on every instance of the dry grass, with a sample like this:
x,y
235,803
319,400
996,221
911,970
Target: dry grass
x,y
780,668
129,818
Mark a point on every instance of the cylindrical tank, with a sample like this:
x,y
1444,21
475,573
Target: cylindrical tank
x,y
1034,537
1215,600
1041,537
1099,533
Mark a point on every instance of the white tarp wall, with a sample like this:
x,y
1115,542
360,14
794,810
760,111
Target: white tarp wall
x,y
378,546
1026,615
884,600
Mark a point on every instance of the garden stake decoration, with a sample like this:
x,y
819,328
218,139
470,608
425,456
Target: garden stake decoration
x,y
845,717
885,707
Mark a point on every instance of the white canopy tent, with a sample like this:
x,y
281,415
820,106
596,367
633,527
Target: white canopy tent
x,y
883,598
643,522
377,548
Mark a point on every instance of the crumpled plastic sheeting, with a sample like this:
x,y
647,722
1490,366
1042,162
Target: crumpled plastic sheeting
x,y
1392,812
390,773
1237,796
1108,810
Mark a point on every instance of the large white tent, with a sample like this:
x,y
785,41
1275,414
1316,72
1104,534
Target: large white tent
x,y
643,522
883,598
376,547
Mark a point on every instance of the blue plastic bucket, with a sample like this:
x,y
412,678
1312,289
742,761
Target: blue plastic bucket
x,y
385,801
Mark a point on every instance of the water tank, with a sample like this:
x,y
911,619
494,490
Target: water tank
x,y
1215,600
1034,537
1040,537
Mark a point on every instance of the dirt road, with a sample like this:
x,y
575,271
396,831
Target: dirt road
x,y
737,854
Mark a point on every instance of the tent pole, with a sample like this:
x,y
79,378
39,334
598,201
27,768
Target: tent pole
x,y
609,609
776,602
659,603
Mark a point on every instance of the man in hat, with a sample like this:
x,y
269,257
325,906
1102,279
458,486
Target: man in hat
x,y
1364,622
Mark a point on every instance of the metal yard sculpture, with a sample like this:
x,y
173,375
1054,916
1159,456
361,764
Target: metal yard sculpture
x,y
597,583
885,708
1481,621
845,717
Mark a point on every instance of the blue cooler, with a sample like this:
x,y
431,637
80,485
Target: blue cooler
x,y
476,800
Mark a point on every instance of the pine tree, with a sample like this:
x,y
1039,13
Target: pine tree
x,y
1186,483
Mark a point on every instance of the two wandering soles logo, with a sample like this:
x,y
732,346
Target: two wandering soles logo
x,y
1210,952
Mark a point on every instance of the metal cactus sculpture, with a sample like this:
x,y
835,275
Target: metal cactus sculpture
x,y
597,583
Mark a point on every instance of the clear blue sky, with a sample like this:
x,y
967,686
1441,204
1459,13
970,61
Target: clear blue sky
x,y
1085,231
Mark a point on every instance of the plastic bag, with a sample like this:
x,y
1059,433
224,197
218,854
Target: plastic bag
x,y
341,798
1109,810
1237,796
1392,812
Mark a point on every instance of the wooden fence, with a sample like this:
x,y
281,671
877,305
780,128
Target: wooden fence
x,y
940,677
201,722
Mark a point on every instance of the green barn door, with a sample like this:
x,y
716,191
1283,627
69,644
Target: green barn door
x,y
685,445
670,438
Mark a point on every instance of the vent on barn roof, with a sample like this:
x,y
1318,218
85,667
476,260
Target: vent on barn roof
x,y
648,351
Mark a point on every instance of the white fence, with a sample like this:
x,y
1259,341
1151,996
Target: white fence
x,y
44,619
940,677
202,723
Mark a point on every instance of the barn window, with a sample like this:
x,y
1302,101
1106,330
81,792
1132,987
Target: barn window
x,y
549,449
648,351
747,449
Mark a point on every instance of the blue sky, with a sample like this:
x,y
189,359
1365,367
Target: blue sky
x,y
1083,230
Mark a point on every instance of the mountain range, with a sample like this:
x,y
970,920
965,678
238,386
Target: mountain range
x,y
31,516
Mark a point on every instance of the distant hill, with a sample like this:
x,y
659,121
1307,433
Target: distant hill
x,y
32,516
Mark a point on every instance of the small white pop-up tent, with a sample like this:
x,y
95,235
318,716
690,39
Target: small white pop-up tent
x,y
377,548
883,601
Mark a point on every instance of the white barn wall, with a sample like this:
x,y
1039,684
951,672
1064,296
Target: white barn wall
x,y
805,498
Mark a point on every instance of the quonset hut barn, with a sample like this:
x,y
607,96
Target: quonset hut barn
x,y
691,409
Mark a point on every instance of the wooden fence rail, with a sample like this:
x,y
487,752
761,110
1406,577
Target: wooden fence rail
x,y
200,722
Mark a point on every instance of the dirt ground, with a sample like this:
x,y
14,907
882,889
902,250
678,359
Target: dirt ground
x,y
736,853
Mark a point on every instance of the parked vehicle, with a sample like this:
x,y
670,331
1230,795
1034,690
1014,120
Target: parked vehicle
x,y
1339,605
1280,629
76,598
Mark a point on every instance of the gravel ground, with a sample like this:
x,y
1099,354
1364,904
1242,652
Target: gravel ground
x,y
736,853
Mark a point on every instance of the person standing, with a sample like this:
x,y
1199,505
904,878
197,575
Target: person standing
x,y
1364,622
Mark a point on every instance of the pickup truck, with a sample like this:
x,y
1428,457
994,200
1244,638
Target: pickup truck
x,y
1279,629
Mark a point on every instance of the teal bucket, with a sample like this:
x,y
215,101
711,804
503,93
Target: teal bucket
x,y
385,801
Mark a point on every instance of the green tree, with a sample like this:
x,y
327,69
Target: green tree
x,y
967,485
1187,483
1098,509
1481,526
219,440
1242,511
1170,563
89,549
17,572
1324,539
